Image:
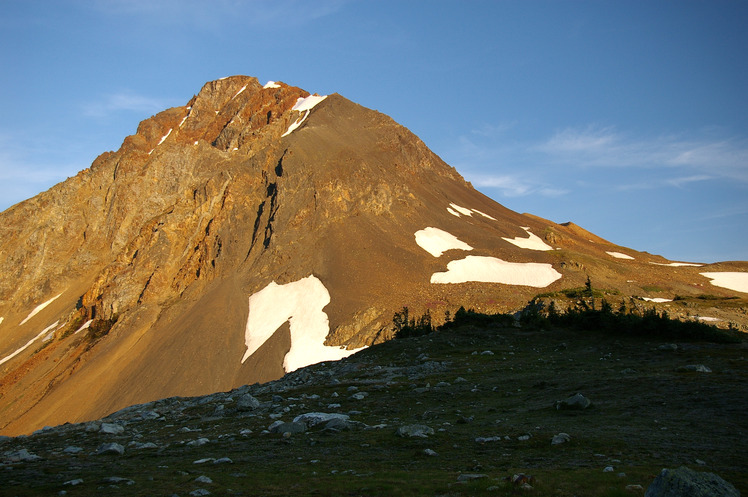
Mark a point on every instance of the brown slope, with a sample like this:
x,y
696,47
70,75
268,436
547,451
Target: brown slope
x,y
178,232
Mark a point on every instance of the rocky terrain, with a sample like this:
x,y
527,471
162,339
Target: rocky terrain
x,y
484,407
260,228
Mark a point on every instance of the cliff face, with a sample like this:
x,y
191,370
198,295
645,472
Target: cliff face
x,y
253,230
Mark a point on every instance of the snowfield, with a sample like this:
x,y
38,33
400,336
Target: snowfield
x,y
493,270
436,241
271,84
38,308
735,280
300,303
532,243
619,255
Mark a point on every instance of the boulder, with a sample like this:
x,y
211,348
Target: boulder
x,y
247,403
110,449
577,402
314,418
684,482
293,427
410,431
560,438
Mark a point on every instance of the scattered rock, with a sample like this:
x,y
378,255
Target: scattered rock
x,y
482,440
634,489
203,479
608,469
116,480
110,449
359,395
524,438
560,438
684,482
430,452
410,431
21,455
72,449
576,402
465,477
140,445
668,347
223,460
697,368
73,483
199,492
198,442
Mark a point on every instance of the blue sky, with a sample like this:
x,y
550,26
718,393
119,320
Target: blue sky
x,y
629,118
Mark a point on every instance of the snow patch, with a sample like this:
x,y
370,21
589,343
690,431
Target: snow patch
x,y
162,140
456,210
28,344
271,84
38,308
462,210
709,319
677,264
239,92
656,299
532,243
85,325
734,280
484,214
493,270
183,120
1,320
619,255
301,303
436,241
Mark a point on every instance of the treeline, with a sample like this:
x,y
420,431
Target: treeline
x,y
591,312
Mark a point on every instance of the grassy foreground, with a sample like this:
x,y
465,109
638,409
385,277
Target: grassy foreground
x,y
487,389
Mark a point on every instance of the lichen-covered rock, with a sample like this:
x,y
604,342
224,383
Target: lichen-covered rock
x,y
685,482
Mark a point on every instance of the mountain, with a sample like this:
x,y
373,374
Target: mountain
x,y
259,229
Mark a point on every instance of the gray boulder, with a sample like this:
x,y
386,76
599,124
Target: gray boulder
x,y
247,403
695,368
110,449
684,482
577,402
293,427
111,428
410,431
314,418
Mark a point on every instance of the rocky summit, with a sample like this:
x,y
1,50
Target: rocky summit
x,y
259,229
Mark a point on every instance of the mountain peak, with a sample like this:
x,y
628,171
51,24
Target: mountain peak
x,y
194,258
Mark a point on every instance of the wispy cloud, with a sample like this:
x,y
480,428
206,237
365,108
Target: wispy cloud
x,y
125,101
212,14
700,159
